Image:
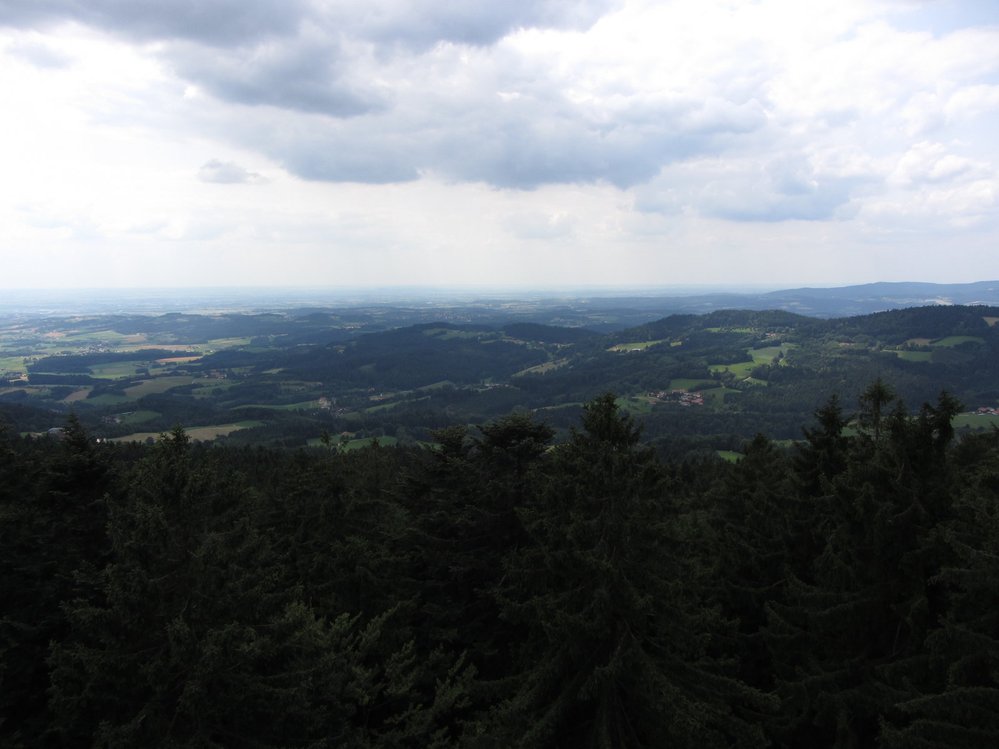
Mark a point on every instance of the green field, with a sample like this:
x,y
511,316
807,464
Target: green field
x,y
207,390
107,399
158,385
542,368
732,456
574,404
204,434
116,370
767,354
101,336
740,370
636,406
12,364
957,340
215,344
975,421
758,356
301,406
635,346
436,385
383,407
915,355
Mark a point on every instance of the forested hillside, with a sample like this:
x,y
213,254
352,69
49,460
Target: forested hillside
x,y
498,591
698,382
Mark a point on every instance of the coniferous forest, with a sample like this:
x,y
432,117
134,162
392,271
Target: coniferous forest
x,y
500,590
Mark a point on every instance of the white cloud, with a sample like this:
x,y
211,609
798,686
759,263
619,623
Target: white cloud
x,y
227,173
927,162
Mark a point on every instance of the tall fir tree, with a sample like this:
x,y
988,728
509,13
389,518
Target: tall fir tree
x,y
959,707
850,643
615,654
53,537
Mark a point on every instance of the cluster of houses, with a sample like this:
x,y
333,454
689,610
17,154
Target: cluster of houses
x,y
987,411
683,397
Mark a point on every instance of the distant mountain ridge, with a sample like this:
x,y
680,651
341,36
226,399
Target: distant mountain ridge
x,y
840,301
846,301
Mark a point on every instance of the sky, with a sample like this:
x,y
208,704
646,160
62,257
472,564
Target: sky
x,y
551,143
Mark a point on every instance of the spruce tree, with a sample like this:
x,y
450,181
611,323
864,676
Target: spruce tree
x,y
52,532
851,641
615,654
959,706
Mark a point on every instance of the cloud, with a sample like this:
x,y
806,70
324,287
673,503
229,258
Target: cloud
x,y
39,54
219,22
768,118
786,188
422,25
494,115
543,226
931,163
234,22
227,173
306,75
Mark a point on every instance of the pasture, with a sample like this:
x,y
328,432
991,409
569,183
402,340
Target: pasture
x,y
957,340
158,385
300,406
77,395
12,364
116,370
202,433
635,346
975,421
542,368
915,355
742,370
109,399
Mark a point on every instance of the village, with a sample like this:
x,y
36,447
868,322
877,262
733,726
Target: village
x,y
682,397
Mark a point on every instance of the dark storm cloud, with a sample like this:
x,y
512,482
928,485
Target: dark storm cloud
x,y
551,140
463,21
218,22
289,53
366,92
236,22
522,143
326,150
307,76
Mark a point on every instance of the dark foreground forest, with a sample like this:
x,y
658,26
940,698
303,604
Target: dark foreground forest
x,y
498,591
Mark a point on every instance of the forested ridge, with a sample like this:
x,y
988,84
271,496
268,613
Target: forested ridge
x,y
500,590
743,371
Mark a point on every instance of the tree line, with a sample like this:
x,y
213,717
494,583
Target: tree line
x,y
500,590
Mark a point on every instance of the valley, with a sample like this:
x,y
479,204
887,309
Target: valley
x,y
295,377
